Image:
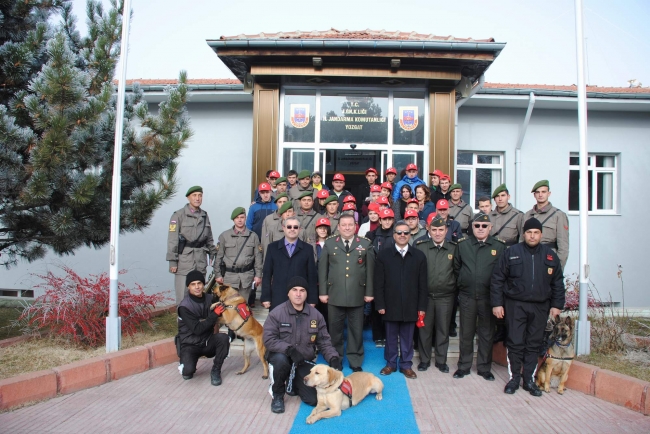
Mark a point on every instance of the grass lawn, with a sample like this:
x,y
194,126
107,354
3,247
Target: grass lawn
x,y
618,363
8,314
49,352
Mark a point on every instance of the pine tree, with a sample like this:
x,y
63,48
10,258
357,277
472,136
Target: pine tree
x,y
57,128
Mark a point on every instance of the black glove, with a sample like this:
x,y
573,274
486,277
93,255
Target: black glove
x,y
335,363
295,355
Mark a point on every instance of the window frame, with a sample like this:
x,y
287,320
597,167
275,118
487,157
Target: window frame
x,y
476,165
591,166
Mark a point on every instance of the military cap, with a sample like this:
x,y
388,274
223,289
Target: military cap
x,y
281,179
281,195
194,190
285,207
304,174
499,189
305,194
437,221
330,198
542,183
481,217
237,212
455,186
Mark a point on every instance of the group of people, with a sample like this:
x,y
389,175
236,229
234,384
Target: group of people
x,y
400,255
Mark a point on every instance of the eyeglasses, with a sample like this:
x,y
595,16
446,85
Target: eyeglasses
x,y
481,226
402,232
293,227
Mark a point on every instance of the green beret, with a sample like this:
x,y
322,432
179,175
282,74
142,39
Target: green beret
x,y
438,222
285,207
281,195
281,179
498,190
237,212
455,186
194,190
304,174
305,194
542,183
331,198
481,218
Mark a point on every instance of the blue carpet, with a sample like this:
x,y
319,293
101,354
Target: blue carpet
x,y
393,414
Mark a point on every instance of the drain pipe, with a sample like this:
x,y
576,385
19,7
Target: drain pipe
x,y
520,142
479,85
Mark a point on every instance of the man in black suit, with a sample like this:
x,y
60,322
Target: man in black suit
x,y
285,258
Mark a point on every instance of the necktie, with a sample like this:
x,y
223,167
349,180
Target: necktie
x,y
438,247
481,243
291,250
401,251
347,245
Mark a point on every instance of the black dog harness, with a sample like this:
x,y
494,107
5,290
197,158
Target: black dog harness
x,y
547,355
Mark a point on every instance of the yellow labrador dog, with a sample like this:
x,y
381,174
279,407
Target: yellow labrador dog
x,y
333,390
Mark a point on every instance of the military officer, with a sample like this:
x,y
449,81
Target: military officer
x,y
272,230
473,265
189,240
303,184
458,209
554,222
345,272
307,216
506,219
440,255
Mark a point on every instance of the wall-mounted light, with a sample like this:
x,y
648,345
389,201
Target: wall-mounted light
x,y
395,63
318,62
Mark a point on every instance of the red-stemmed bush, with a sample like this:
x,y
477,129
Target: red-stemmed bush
x,y
76,307
572,295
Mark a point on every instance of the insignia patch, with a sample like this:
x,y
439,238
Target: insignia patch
x,y
299,115
313,338
260,248
514,257
313,324
285,324
550,271
360,248
566,228
450,256
172,227
360,260
494,252
408,118
549,257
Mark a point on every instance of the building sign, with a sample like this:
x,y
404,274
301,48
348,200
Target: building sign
x,y
408,118
354,119
299,115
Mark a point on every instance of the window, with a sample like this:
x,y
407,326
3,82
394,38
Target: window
x,y
479,173
602,183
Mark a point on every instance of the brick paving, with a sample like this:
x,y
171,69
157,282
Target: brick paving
x,y
159,401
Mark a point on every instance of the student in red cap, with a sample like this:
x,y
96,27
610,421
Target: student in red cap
x,y
263,207
417,229
338,189
435,179
323,231
443,191
425,206
373,220
362,192
391,174
411,179
319,204
350,207
375,192
454,232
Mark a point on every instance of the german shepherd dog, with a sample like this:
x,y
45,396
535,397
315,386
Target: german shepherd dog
x,y
238,318
559,356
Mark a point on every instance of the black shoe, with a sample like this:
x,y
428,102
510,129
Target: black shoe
x,y
511,387
460,373
532,388
424,366
487,375
443,367
356,368
215,376
188,377
453,333
231,335
277,405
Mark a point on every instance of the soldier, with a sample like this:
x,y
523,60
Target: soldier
x,y
473,265
241,253
307,217
506,219
485,205
458,209
189,240
332,212
440,255
554,221
281,185
273,229
304,184
345,272
292,177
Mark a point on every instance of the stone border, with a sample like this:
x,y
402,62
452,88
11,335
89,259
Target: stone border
x,y
604,384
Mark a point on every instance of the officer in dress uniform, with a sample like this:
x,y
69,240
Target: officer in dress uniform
x,y
458,209
555,222
507,220
189,240
345,272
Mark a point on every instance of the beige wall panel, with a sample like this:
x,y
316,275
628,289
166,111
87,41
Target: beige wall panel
x,y
266,107
441,131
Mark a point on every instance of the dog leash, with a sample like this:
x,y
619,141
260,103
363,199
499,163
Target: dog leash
x,y
293,375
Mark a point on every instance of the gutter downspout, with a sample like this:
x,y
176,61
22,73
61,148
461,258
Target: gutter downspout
x,y
479,85
520,142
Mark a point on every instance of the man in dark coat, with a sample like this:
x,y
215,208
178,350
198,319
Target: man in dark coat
x,y
289,256
401,296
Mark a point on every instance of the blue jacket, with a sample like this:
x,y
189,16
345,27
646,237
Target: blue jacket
x,y
408,181
257,213
427,209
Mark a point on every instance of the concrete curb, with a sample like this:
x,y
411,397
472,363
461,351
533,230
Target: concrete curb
x,y
609,386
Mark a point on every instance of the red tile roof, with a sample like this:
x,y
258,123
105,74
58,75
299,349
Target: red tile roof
x,y
355,34
573,87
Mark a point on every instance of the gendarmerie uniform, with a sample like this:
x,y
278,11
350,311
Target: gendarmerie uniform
x,y
506,224
461,211
307,224
473,266
195,227
527,282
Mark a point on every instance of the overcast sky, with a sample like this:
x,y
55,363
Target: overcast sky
x,y
168,35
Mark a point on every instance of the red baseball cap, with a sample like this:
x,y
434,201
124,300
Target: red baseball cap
x,y
442,204
382,200
445,176
338,177
371,169
386,214
410,213
387,185
412,200
411,167
265,186
323,222
275,174
349,206
437,173
323,194
430,218
391,170
375,188
349,198
373,207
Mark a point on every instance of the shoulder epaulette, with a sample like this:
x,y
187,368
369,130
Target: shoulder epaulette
x,y
500,240
423,241
331,236
455,243
461,239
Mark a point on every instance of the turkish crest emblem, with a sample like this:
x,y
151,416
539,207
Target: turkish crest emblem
x,y
299,115
408,118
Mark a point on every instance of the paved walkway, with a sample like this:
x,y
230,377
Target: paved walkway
x,y
159,401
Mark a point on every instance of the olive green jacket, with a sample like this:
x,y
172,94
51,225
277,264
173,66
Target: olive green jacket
x,y
196,228
228,248
440,267
474,263
506,224
462,213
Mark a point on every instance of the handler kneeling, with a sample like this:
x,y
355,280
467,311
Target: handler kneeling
x,y
196,330
292,332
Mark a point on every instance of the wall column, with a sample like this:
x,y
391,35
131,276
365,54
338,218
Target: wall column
x,y
442,104
266,117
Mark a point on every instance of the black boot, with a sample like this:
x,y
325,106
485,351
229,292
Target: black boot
x,y
277,405
512,386
231,335
532,388
215,376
